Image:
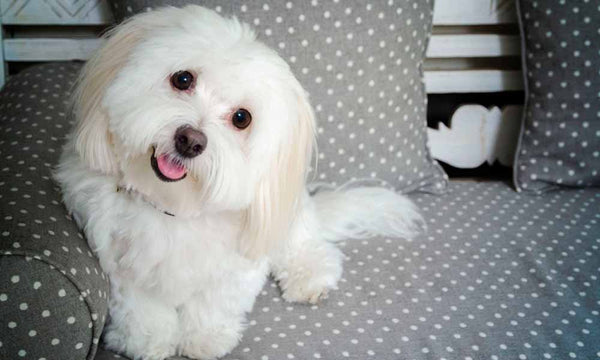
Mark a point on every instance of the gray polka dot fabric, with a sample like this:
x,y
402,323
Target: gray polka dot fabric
x,y
53,293
361,64
43,313
498,275
560,138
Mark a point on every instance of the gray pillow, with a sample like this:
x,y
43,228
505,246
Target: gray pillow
x,y
560,137
361,64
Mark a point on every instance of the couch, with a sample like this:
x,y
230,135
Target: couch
x,y
497,275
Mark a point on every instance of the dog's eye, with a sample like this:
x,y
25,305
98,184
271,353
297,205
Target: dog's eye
x,y
241,119
182,80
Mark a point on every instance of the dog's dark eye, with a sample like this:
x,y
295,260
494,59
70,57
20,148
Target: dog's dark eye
x,y
241,119
182,80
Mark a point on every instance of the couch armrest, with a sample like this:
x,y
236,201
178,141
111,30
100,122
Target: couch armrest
x,y
53,293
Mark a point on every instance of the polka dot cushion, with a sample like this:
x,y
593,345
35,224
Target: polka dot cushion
x,y
560,139
361,63
499,275
53,294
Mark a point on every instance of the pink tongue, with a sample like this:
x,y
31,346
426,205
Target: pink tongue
x,y
169,169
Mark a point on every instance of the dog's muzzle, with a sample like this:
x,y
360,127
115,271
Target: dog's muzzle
x,y
189,143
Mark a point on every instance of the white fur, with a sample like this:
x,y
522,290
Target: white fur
x,y
181,285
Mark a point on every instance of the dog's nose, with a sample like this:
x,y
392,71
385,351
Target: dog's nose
x,y
190,142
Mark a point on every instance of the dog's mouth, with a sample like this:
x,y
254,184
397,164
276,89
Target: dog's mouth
x,y
167,168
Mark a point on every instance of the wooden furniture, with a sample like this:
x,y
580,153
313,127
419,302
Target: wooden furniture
x,y
475,48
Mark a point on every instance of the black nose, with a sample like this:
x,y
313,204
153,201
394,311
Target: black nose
x,y
190,142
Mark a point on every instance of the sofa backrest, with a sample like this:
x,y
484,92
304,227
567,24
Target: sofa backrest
x,y
474,48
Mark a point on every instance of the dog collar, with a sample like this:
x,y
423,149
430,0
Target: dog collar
x,y
133,192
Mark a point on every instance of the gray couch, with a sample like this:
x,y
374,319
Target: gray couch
x,y
498,275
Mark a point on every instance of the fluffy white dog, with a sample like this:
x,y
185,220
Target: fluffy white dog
x,y
187,171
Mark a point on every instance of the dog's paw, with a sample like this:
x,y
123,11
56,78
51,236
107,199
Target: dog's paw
x,y
208,345
309,291
137,347
310,278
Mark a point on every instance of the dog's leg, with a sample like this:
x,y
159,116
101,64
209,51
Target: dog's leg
x,y
212,320
306,265
140,326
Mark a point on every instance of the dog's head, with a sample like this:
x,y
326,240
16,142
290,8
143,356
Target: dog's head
x,y
187,108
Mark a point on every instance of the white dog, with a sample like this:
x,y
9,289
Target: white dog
x,y
187,171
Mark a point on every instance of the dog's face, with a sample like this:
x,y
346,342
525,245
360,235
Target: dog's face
x,y
187,108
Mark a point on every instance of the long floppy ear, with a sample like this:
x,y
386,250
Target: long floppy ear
x,y
277,201
91,136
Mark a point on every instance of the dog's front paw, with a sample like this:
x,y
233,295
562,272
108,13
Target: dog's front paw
x,y
137,347
310,290
207,345
309,278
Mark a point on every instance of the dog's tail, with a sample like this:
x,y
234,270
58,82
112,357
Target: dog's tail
x,y
363,212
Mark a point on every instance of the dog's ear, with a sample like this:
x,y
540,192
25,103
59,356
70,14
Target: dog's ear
x,y
92,138
278,198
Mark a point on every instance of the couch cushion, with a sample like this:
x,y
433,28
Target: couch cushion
x,y
560,138
499,275
53,293
361,64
